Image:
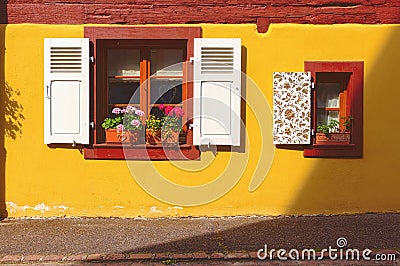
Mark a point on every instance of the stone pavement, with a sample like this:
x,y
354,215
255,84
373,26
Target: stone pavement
x,y
202,241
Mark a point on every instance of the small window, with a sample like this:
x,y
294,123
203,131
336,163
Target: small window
x,y
331,94
337,110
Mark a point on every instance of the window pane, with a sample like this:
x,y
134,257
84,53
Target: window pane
x,y
123,62
165,62
121,91
324,117
165,91
328,95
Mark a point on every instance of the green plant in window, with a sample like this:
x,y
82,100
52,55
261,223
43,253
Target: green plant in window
x,y
154,123
112,122
173,117
172,123
346,121
132,119
153,129
165,128
323,128
124,119
334,126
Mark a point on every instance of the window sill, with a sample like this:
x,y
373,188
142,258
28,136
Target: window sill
x,y
329,151
333,146
141,152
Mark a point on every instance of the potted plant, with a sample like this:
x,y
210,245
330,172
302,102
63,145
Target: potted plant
x,y
165,128
172,124
331,133
133,124
124,125
153,129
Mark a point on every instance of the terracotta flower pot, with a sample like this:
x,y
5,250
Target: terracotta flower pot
x,y
115,136
130,136
332,138
170,136
153,137
135,137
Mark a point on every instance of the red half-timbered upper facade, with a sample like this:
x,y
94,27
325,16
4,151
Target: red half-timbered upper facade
x,y
258,12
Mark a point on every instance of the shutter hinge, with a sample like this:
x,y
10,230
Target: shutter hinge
x,y
91,59
91,124
191,59
312,132
312,85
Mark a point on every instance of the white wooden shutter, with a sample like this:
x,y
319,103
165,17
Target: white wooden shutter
x,y
217,91
66,90
292,107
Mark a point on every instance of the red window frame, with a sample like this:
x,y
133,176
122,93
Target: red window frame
x,y
98,150
144,46
354,107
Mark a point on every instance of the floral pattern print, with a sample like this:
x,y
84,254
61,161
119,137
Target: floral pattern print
x,y
292,107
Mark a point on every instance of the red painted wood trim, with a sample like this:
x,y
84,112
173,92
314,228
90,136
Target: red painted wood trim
x,y
260,12
142,153
139,33
354,100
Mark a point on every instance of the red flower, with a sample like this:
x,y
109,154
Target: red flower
x,y
161,106
168,110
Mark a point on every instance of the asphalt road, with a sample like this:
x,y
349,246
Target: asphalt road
x,y
184,235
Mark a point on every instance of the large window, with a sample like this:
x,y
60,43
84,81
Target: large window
x,y
178,81
143,67
143,74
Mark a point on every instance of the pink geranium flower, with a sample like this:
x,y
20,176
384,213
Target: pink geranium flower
x,y
116,111
135,123
179,111
120,127
139,112
131,108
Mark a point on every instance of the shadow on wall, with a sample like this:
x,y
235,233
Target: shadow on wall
x,y
12,113
373,184
3,211
12,117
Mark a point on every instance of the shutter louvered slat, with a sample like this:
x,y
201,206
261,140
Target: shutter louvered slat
x,y
216,60
66,60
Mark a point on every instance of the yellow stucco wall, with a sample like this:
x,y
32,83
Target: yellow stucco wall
x,y
43,181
